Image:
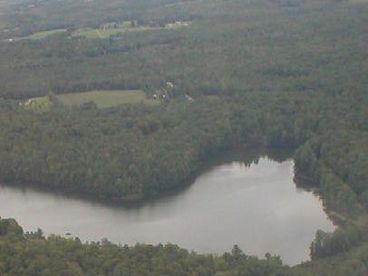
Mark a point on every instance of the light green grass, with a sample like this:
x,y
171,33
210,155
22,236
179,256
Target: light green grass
x,y
124,28
44,34
106,98
102,98
100,33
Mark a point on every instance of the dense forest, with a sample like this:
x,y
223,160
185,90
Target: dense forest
x,y
272,74
33,254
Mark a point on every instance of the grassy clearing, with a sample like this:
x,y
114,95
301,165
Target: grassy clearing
x,y
105,33
44,34
106,98
102,98
100,33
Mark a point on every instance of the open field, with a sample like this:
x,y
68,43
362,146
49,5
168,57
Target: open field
x,y
102,98
105,33
106,98
44,34
100,33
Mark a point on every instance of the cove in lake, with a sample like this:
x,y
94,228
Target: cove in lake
x,y
255,205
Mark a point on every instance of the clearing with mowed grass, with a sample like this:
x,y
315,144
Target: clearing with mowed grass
x,y
102,99
104,32
44,34
100,33
124,28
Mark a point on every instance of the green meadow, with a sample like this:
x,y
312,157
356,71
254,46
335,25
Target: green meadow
x,y
101,33
44,34
102,99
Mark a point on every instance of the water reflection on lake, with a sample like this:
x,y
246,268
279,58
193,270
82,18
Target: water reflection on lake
x,y
257,207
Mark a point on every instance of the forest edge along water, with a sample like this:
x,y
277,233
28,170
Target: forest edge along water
x,y
248,199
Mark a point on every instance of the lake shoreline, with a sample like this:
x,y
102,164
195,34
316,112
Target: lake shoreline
x,y
238,189
134,200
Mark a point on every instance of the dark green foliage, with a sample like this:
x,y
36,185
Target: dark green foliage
x,y
327,244
136,151
33,254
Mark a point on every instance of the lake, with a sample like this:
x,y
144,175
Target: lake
x,y
255,205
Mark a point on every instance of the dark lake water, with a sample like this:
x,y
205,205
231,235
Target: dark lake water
x,y
256,206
